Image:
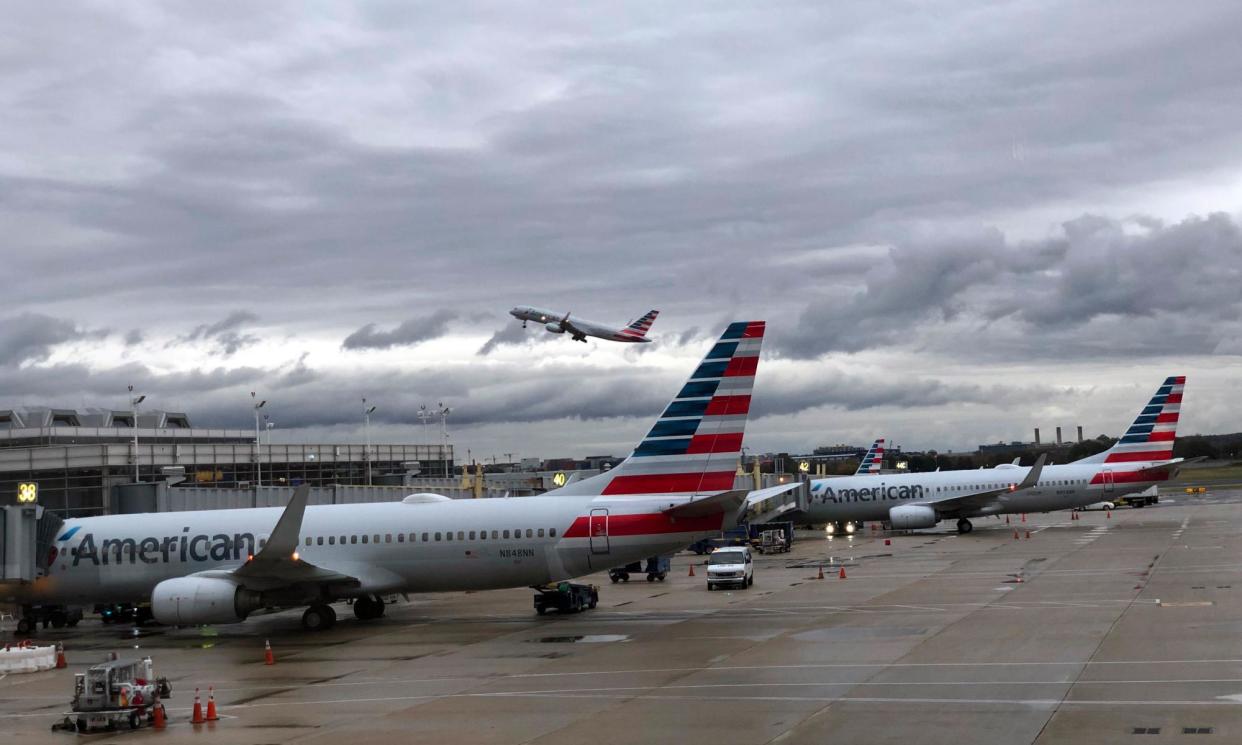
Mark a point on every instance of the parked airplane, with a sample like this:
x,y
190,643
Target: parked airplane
x,y
1141,458
873,461
580,328
218,566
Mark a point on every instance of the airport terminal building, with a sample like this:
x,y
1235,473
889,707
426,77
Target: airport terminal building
x,y
78,459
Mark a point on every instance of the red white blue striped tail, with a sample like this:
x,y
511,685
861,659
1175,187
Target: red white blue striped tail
x,y
1151,436
638,329
873,461
695,445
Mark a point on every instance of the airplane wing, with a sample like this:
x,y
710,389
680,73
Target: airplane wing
x,y
725,501
728,501
571,329
277,564
979,500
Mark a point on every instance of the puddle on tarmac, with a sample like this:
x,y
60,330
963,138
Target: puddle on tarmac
x,y
583,638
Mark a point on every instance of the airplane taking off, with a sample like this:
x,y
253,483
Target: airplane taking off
x,y
219,566
580,328
1141,458
873,461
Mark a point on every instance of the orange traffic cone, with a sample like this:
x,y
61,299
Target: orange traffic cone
x,y
211,704
60,656
821,572
887,542
270,659
157,717
1015,535
691,574
1023,517
1028,535
841,574
197,716
1006,519
1109,514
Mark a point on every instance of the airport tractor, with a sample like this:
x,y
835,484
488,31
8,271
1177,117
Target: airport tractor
x,y
115,695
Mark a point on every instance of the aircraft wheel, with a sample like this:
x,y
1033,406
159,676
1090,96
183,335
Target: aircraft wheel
x,y
964,526
318,618
26,626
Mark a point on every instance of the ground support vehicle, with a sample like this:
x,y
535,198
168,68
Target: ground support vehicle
x,y
565,597
114,695
622,574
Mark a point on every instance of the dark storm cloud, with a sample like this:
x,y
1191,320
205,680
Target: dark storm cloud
x,y
224,335
509,334
31,336
1103,287
833,170
406,333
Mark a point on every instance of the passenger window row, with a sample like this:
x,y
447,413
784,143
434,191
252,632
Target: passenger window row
x,y
981,487
432,537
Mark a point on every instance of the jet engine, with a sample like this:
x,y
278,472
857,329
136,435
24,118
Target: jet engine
x,y
191,601
912,517
555,328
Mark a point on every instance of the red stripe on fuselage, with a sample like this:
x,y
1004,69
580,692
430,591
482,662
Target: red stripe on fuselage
x,y
1132,477
726,405
730,442
668,483
655,523
1144,455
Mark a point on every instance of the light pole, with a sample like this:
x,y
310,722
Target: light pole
x,y
444,412
366,426
425,415
269,426
133,412
258,454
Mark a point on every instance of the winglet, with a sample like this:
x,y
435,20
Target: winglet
x,y
285,536
1032,476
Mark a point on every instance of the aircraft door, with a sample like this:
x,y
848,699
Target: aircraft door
x,y
1107,477
598,530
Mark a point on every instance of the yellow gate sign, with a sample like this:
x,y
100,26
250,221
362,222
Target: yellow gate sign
x,y
28,492
804,466
559,478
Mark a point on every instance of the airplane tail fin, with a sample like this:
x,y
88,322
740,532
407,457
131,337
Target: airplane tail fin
x,y
873,461
639,328
1151,436
695,445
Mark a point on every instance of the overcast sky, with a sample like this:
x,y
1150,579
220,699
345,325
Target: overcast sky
x,y
959,223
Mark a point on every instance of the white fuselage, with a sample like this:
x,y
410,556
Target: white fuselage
x,y
422,547
583,326
870,497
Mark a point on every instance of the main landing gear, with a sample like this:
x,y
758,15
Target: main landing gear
x,y
368,607
319,618
964,526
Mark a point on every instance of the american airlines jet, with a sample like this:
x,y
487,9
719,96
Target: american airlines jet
x,y
1141,458
219,566
580,328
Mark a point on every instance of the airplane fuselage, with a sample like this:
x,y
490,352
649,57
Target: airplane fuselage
x,y
870,497
391,547
580,327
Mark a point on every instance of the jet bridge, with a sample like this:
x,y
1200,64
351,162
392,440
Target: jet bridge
x,y
779,507
27,534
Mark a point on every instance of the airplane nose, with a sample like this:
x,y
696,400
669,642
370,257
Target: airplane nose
x,y
515,312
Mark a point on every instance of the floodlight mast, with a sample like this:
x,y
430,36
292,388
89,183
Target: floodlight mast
x,y
258,452
133,413
366,426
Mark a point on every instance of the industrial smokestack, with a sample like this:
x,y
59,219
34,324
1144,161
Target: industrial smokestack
x,y
1037,435
1058,435
1080,433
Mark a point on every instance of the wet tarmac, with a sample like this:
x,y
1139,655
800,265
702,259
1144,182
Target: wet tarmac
x,y
1087,632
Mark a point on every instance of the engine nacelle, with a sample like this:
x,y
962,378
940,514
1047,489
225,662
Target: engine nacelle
x,y
555,328
191,601
912,517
